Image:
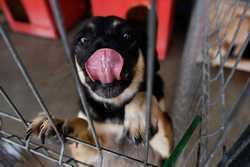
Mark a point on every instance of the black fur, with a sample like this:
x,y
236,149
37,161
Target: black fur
x,y
100,33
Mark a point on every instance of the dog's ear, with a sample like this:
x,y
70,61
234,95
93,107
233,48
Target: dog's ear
x,y
141,33
137,18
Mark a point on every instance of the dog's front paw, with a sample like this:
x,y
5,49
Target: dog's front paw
x,y
41,128
134,121
134,126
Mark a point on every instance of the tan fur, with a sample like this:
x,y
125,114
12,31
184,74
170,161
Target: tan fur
x,y
162,104
135,122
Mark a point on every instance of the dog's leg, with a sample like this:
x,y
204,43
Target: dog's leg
x,y
75,127
134,122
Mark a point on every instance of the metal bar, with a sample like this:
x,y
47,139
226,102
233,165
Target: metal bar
x,y
218,29
151,32
35,151
229,122
194,147
30,83
221,89
183,142
105,150
10,116
222,39
60,26
190,69
72,139
203,144
225,57
238,147
243,48
13,106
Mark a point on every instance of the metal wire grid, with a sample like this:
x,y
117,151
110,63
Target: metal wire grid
x,y
198,74
60,157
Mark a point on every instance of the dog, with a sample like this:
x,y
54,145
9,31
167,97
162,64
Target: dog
x,y
109,55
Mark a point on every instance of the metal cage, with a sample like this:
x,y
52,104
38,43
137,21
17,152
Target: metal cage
x,y
201,95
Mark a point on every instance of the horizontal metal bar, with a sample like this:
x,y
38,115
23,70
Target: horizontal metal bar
x,y
69,138
10,116
5,137
13,106
72,139
29,81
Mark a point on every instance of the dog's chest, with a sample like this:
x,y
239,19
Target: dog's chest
x,y
103,112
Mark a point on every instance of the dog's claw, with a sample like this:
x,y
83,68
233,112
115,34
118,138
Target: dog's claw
x,y
137,139
41,128
28,133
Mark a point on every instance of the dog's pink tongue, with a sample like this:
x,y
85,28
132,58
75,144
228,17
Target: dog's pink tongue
x,y
104,65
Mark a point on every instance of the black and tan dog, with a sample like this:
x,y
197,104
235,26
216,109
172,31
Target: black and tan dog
x,y
110,55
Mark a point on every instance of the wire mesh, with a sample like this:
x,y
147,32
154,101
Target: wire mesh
x,y
225,39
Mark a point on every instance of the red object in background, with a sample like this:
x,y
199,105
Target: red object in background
x,y
35,16
121,7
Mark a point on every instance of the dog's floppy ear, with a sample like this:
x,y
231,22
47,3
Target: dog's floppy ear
x,y
137,18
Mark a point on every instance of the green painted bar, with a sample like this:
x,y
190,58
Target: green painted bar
x,y
183,142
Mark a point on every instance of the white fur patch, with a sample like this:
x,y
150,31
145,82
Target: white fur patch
x,y
127,93
81,115
161,144
162,104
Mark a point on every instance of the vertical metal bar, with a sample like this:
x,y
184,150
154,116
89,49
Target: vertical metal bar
x,y
13,106
203,145
151,32
60,25
243,48
30,84
222,81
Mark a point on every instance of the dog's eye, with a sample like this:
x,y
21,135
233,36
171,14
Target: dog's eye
x,y
126,36
84,39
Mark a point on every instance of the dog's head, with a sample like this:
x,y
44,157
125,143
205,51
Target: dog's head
x,y
108,54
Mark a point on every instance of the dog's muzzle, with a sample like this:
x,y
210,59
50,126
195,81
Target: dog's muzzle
x,y
104,65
